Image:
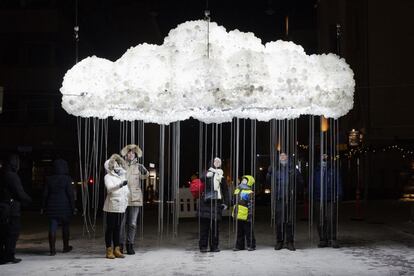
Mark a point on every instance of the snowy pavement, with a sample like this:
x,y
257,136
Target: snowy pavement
x,y
369,247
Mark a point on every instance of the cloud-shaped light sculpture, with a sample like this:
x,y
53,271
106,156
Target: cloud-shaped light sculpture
x,y
239,77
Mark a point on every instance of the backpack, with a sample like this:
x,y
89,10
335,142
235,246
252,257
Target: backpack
x,y
196,188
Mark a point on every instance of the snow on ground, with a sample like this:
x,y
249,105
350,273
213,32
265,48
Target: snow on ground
x,y
369,247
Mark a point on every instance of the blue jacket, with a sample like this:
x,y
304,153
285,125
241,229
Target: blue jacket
x,y
328,184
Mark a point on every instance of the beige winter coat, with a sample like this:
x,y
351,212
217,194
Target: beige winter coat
x,y
134,175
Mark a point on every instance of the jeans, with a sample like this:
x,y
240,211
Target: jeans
x,y
129,225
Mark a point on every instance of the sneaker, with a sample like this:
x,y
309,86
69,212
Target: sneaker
x,y
215,250
237,249
279,245
290,246
251,248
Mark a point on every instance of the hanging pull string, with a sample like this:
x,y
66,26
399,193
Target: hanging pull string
x,y
311,175
253,156
337,180
161,184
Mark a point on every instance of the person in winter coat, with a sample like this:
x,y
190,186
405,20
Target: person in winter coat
x,y
58,204
243,213
327,194
285,173
135,173
115,204
212,202
12,196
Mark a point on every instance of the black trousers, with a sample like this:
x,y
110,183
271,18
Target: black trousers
x,y
245,233
327,220
9,234
209,233
113,228
54,223
284,222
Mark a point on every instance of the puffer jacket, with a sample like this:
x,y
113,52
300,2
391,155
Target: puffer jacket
x,y
243,200
58,194
116,200
135,173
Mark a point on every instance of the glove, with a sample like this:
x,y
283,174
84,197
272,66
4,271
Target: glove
x,y
125,182
75,211
224,206
142,169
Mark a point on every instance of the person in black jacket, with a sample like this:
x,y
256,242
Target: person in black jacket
x,y
13,195
287,179
58,204
212,202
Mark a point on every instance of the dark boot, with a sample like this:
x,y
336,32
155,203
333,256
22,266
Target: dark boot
x,y
52,244
203,250
290,246
279,245
334,244
130,249
65,237
322,244
12,260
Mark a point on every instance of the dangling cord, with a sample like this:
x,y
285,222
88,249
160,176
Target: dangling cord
x,y
200,171
106,158
141,127
244,147
168,180
337,175
161,184
231,177
176,176
236,175
272,145
322,180
253,172
311,174
330,175
82,177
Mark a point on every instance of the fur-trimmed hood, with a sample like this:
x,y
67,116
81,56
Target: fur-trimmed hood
x,y
110,163
134,148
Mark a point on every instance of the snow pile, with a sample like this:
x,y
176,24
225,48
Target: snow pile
x,y
236,76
